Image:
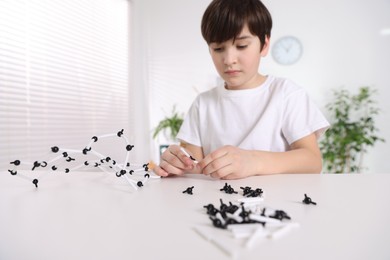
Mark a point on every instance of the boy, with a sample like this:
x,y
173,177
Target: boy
x,y
254,124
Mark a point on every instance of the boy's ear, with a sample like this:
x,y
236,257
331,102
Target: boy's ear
x,y
265,47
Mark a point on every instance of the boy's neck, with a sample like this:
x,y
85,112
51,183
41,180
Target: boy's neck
x,y
257,81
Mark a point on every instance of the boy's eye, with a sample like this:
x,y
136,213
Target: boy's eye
x,y
218,49
242,47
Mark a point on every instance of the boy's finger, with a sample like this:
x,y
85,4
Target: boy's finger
x,y
206,163
160,171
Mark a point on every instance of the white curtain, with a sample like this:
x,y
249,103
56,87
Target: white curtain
x,y
64,75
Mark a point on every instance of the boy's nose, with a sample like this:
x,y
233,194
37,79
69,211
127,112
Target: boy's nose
x,y
230,57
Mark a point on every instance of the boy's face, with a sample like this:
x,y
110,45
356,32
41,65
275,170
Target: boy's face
x,y
238,62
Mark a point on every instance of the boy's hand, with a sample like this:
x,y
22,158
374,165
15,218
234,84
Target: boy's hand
x,y
228,162
174,162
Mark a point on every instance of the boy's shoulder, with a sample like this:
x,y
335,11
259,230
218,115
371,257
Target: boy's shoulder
x,y
213,92
283,85
281,82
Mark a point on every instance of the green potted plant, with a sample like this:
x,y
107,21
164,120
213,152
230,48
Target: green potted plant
x,y
352,130
170,125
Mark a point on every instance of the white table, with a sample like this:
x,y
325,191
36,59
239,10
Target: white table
x,y
92,215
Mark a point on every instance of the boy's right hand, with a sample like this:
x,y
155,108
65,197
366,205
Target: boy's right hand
x,y
174,162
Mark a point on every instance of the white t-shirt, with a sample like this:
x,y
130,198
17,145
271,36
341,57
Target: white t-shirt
x,y
269,117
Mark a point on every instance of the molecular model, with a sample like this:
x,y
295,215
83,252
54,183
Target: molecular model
x,y
135,174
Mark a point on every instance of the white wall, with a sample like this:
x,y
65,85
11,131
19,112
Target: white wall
x,y
343,47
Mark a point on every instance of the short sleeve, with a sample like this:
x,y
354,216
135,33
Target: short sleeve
x,y
190,131
302,117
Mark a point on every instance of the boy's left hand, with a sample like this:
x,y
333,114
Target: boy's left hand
x,y
228,162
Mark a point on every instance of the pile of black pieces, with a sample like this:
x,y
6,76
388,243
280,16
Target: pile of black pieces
x,y
220,218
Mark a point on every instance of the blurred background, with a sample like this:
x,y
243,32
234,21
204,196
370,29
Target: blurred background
x,y
70,70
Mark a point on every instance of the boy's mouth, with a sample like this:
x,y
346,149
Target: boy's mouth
x,y
232,72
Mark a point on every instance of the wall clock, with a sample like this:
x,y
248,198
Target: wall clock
x,y
287,50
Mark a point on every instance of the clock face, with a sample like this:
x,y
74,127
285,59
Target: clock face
x,y
287,50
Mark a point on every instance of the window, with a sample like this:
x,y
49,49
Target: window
x,y
64,69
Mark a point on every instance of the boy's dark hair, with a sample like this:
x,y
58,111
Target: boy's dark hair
x,y
224,19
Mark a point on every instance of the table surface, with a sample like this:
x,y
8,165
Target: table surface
x,y
94,215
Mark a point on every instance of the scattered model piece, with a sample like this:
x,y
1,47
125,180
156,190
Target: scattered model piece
x,y
307,200
189,190
228,189
249,192
127,170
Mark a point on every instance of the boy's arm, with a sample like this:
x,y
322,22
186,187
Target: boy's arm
x,y
231,162
304,156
